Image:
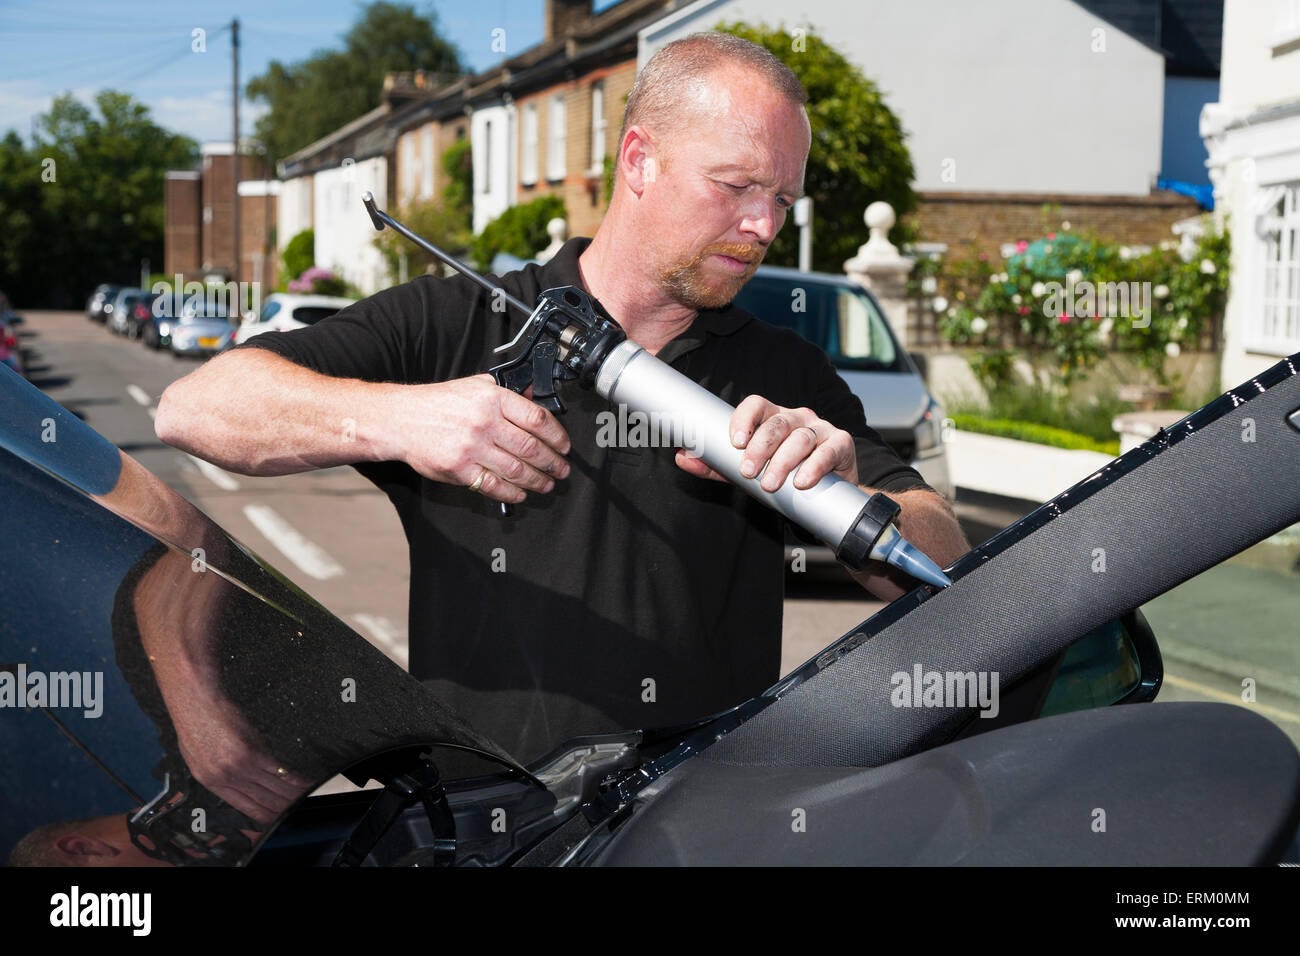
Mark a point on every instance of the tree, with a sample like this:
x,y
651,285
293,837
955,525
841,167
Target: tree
x,y
445,221
857,156
84,204
317,95
519,231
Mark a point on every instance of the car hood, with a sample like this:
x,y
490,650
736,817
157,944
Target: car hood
x,y
892,400
149,661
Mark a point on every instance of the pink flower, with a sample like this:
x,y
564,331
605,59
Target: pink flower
x,y
1051,235
1024,310
984,256
1063,317
1021,246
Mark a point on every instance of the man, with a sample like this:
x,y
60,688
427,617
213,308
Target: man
x,y
633,588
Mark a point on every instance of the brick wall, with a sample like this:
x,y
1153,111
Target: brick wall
x,y
257,218
992,219
582,188
183,213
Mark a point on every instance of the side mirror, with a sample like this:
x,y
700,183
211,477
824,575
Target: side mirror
x,y
922,365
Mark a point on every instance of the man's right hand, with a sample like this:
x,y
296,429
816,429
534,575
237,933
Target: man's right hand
x,y
458,431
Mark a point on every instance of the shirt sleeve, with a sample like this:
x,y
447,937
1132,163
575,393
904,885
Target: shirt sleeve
x,y
378,339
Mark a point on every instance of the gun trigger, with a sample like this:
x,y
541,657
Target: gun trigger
x,y
544,372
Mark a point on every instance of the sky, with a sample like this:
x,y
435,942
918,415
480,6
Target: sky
x,y
144,47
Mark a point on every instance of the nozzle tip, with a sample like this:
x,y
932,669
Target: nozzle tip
x,y
907,557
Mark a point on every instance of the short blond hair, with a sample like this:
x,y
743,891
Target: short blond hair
x,y
664,83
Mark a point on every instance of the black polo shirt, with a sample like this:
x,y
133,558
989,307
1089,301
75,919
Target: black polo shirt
x,y
632,596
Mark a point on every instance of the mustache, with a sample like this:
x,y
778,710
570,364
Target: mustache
x,y
736,250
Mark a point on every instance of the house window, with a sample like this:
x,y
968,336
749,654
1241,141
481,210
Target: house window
x,y
555,139
426,163
598,124
1275,328
528,172
408,168
487,156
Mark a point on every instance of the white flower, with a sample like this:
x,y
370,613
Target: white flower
x,y
1106,326
1208,267
978,325
1016,298
1172,350
1182,321
1066,225
1008,249
1073,276
1169,244
1125,253
929,285
1047,249
952,313
940,303
1160,291
1039,289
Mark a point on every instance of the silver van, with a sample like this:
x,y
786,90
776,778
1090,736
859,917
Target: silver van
x,y
845,321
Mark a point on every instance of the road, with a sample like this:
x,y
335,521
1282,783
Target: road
x,y
338,538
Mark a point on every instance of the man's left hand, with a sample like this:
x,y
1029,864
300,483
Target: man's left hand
x,y
783,439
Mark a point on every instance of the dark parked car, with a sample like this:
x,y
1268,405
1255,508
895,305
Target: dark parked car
x,y
99,299
193,701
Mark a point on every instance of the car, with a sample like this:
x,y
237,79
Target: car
x,y
101,297
117,312
283,311
204,327
286,739
844,320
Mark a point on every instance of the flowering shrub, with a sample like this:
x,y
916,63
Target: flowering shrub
x,y
1066,299
318,281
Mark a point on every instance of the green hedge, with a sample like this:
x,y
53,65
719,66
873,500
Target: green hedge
x,y
1029,431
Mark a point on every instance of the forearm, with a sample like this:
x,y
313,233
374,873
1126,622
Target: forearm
x,y
255,413
928,522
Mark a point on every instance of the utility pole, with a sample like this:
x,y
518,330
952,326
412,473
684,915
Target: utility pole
x,y
234,185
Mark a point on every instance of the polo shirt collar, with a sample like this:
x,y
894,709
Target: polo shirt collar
x,y
563,270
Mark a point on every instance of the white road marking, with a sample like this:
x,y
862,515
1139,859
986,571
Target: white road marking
x,y
310,557
214,474
139,394
385,635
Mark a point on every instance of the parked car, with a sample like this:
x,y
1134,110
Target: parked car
x,y
117,313
845,321
204,327
107,570
102,296
283,311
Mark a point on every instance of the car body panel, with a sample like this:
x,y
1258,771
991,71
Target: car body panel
x,y
202,653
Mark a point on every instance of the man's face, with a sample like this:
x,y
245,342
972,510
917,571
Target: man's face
x,y
726,180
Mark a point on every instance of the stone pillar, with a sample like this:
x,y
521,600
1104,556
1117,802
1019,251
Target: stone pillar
x,y
880,268
557,228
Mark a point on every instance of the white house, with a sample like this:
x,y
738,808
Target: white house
x,y
1018,96
1253,136
493,133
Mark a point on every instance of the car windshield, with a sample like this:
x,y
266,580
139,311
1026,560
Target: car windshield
x,y
841,320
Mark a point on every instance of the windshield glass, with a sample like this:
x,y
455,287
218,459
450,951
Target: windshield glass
x,y
844,322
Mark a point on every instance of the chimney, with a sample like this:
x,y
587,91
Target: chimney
x,y
562,16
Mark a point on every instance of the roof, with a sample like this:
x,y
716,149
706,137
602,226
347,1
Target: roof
x,y
1188,33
